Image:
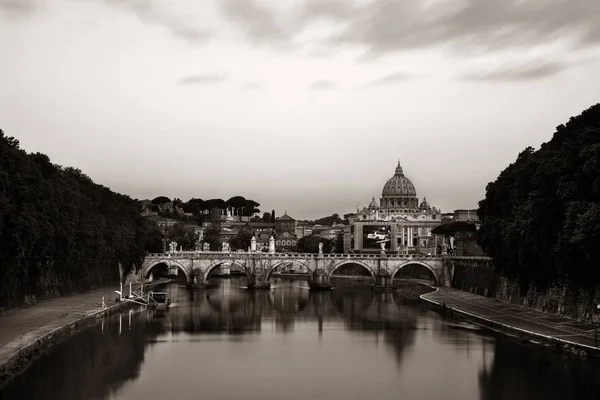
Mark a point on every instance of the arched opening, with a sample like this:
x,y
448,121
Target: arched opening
x,y
415,271
236,269
290,275
351,273
220,272
289,270
165,270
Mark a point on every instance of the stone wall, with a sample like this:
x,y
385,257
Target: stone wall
x,y
482,279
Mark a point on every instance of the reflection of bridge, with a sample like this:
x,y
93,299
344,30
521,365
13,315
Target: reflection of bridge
x,y
197,266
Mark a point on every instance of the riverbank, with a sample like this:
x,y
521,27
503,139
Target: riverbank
x,y
27,332
561,333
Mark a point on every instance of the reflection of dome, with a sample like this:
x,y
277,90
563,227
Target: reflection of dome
x,y
399,185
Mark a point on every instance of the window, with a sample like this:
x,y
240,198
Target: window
x,y
278,243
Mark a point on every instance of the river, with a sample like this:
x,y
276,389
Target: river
x,y
291,343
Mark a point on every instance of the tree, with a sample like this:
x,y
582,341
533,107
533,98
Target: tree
x,y
212,236
540,217
160,200
60,231
241,241
250,208
451,228
236,204
184,236
266,217
329,221
310,244
272,216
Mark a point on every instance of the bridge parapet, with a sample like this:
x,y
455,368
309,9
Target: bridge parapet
x,y
242,255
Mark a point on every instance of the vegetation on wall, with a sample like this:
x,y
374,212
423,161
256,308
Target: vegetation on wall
x,y
540,219
59,231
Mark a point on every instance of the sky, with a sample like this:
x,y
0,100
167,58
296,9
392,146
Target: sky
x,y
300,105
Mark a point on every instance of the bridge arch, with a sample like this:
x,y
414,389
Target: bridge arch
x,y
148,268
284,262
215,264
347,262
436,278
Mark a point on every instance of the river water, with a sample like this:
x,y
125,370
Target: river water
x,y
291,343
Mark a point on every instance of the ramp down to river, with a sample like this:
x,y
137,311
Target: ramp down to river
x,y
562,333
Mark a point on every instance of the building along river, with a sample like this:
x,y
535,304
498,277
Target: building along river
x,y
290,343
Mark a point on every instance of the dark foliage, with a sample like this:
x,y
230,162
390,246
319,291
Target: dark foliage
x,y
329,221
241,241
541,217
212,236
161,200
310,244
59,231
183,235
452,228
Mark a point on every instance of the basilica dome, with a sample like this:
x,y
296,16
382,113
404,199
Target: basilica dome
x,y
399,185
399,193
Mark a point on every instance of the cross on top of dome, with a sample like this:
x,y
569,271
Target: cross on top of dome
x,y
399,170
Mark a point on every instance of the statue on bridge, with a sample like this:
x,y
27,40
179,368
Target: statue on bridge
x,y
271,245
173,247
225,247
320,247
205,246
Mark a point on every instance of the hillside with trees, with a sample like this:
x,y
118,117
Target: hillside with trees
x,y
331,220
61,232
540,219
197,210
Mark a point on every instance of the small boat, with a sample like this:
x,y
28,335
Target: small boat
x,y
158,301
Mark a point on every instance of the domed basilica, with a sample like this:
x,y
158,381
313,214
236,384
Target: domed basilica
x,y
398,200
399,223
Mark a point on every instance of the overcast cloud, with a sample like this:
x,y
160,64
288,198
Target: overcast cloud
x,y
261,98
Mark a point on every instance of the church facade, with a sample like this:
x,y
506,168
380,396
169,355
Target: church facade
x,y
399,223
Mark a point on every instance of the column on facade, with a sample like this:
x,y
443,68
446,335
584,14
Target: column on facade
x,y
402,235
409,239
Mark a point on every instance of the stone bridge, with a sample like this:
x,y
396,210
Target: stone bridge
x,y
197,266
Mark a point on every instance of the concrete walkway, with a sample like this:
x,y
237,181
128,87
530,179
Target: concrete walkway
x,y
22,326
519,320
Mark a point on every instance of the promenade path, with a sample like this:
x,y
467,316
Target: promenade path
x,y
544,326
22,326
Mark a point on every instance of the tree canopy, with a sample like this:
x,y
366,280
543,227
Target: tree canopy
x,y
241,241
451,228
310,244
60,231
540,219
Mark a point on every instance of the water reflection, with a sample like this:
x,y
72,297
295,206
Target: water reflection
x,y
347,343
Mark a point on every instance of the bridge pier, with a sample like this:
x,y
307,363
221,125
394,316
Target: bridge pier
x,y
197,282
320,281
383,282
258,282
